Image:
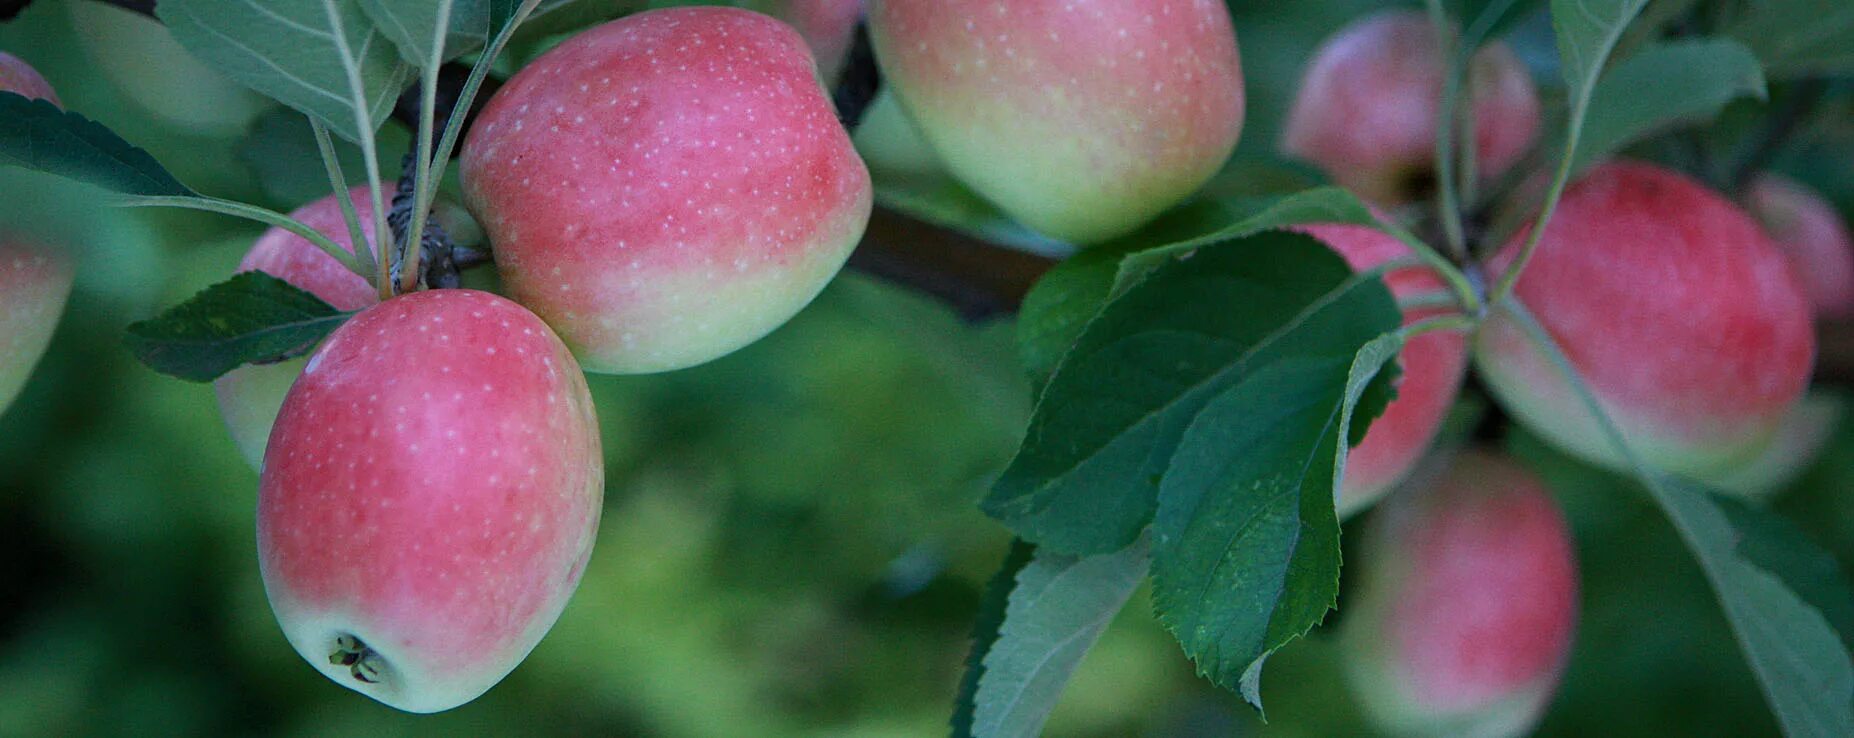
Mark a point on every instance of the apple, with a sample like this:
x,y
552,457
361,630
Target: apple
x,y
250,396
828,26
668,187
1814,237
1680,314
1367,108
1468,607
34,278
429,497
144,64
18,77
1082,119
1800,440
1433,366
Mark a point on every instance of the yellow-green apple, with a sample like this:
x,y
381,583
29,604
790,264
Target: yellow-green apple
x,y
35,278
1679,313
1367,108
668,187
429,497
250,396
1082,119
1814,237
1433,365
1468,606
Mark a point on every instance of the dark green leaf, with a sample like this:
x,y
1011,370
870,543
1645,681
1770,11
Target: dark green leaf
x,y
35,134
252,318
280,150
1800,38
325,58
1246,557
1664,85
1086,478
1065,299
1774,544
413,24
1057,610
1587,32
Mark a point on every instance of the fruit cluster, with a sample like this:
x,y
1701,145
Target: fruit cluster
x,y
663,189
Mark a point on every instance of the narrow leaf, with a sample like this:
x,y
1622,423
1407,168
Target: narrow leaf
x,y
1060,606
1247,551
1782,602
413,24
252,318
325,58
1800,38
36,135
1587,33
1662,86
1087,476
985,630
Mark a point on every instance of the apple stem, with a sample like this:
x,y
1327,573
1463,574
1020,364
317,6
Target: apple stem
x,y
362,662
438,267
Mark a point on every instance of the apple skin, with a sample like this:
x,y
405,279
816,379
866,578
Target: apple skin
x,y
34,278
828,26
1465,618
1433,367
34,282
18,77
1082,119
1814,237
668,187
432,488
1683,318
1366,110
250,396
1799,441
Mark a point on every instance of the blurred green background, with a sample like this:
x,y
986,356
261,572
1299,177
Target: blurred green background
x,y
790,544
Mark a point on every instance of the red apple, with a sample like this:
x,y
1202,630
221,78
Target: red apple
x,y
1367,109
1465,618
668,187
250,396
1433,365
1814,237
429,497
1679,313
34,278
1082,119
829,28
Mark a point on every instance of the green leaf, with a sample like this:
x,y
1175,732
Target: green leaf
x,y
985,630
280,151
413,26
1247,540
1801,662
1087,476
1664,85
36,135
1060,305
1587,32
1058,609
252,318
325,58
1799,38
1776,545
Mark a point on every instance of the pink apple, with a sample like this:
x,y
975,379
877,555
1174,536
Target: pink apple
x,y
829,28
16,76
1367,109
1082,119
429,497
1433,365
1800,440
1814,237
1679,313
1465,618
34,282
668,187
250,396
35,279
